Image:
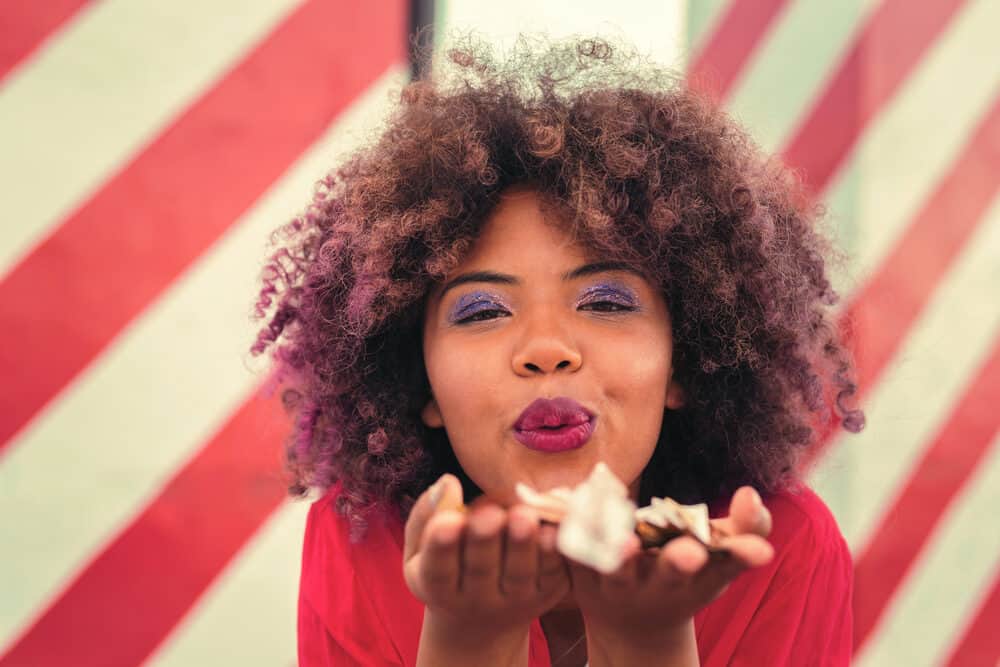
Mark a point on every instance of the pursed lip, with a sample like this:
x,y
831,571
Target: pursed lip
x,y
554,425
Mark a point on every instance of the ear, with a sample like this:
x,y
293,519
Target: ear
x,y
675,396
431,414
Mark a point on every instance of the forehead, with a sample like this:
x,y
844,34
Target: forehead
x,y
521,229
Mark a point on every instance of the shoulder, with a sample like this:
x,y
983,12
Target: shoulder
x,y
335,558
354,589
323,515
812,560
326,528
796,609
802,523
801,506
327,562
330,535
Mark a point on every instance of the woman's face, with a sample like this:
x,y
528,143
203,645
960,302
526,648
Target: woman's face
x,y
530,315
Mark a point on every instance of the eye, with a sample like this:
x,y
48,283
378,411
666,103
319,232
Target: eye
x,y
608,298
478,307
604,306
483,315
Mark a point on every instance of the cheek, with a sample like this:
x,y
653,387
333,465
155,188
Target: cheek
x,y
644,371
459,382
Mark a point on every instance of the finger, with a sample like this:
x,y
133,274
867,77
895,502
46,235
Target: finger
x,y
680,559
584,580
434,571
440,495
741,553
747,514
483,544
748,550
626,576
647,564
553,571
520,554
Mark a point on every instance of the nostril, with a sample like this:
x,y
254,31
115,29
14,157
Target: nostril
x,y
535,368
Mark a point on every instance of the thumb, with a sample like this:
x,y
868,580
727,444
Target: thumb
x,y
444,494
748,513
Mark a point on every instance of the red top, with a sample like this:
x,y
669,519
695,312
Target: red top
x,y
355,608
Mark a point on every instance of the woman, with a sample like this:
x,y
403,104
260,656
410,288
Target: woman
x,y
547,262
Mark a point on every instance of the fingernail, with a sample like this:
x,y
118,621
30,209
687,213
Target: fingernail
x,y
435,493
518,530
448,533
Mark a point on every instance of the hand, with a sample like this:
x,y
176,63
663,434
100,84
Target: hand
x,y
483,576
646,607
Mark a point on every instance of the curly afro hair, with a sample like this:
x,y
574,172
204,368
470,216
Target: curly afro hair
x,y
644,171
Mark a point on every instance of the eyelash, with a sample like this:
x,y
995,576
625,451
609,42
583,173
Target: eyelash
x,y
606,307
477,316
617,306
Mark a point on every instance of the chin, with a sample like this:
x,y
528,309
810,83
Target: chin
x,y
544,480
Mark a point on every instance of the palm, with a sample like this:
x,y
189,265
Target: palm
x,y
488,567
663,587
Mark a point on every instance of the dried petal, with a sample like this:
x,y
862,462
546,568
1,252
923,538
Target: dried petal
x,y
599,522
667,513
551,505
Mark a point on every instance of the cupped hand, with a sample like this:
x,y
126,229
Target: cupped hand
x,y
657,590
482,572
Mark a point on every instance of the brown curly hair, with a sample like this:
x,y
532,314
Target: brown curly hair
x,y
644,171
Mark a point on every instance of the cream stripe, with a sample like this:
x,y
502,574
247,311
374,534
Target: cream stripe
x,y
103,87
136,415
949,579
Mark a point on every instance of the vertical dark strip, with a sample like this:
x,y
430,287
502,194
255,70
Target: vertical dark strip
x,y
420,40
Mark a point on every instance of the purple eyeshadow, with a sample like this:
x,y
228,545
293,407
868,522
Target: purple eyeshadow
x,y
475,302
614,292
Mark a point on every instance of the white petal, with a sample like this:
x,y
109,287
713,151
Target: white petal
x,y
551,506
599,522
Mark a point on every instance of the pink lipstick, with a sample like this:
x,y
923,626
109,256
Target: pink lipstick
x,y
554,425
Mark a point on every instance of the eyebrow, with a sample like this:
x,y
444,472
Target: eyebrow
x,y
507,279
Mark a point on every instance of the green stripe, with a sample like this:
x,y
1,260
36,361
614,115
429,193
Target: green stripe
x,y
701,18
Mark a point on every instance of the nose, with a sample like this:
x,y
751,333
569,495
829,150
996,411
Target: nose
x,y
545,348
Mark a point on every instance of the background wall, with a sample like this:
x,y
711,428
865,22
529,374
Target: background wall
x,y
147,149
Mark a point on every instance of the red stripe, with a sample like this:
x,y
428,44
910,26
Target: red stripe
x,y
716,68
66,301
130,596
26,26
914,515
883,310
980,643
891,43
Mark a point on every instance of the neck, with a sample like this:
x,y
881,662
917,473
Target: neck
x,y
566,635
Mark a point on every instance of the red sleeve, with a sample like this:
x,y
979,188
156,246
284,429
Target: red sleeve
x,y
354,606
795,611
345,590
317,647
